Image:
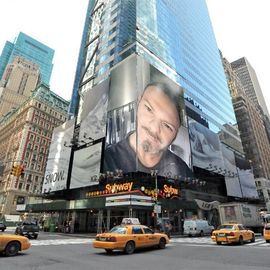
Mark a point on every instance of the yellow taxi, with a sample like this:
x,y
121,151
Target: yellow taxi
x,y
266,232
11,244
129,236
232,233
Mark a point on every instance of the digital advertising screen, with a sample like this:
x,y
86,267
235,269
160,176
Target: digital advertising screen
x,y
146,128
56,172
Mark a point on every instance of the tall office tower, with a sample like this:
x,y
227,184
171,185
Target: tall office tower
x,y
139,62
251,125
25,138
186,52
19,80
32,50
249,80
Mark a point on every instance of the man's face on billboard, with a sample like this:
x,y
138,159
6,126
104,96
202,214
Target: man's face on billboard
x,y
157,122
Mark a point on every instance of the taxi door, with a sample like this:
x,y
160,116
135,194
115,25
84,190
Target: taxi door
x,y
152,238
139,237
2,246
244,232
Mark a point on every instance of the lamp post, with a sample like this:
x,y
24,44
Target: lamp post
x,y
154,173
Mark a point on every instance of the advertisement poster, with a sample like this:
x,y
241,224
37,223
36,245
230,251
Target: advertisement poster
x,y
246,178
205,147
230,172
86,166
94,113
56,172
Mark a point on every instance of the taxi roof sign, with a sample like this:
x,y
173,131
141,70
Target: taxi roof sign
x,y
130,221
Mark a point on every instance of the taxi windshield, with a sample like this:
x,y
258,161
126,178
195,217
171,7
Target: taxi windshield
x,y
227,227
118,229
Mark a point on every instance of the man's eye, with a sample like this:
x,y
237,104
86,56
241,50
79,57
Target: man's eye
x,y
148,108
168,127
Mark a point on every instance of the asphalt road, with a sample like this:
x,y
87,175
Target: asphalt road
x,y
62,252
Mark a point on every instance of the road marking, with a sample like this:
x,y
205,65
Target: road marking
x,y
257,243
198,242
60,242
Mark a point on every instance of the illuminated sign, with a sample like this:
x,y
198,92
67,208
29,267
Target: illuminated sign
x,y
167,191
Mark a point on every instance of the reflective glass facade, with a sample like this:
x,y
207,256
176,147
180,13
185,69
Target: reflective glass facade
x,y
178,35
174,36
32,50
74,98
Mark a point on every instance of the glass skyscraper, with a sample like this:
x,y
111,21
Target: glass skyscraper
x,y
32,50
174,36
152,110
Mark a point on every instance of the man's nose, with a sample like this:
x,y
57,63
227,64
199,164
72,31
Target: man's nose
x,y
155,126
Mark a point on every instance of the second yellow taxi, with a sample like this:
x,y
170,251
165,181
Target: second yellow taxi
x,y
232,233
266,232
129,236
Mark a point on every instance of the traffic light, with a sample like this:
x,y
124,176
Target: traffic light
x,y
20,170
14,170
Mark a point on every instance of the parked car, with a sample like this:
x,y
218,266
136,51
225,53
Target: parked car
x,y
197,227
2,226
11,244
128,237
28,228
232,233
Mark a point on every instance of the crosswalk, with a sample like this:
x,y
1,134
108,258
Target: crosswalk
x,y
202,241
55,242
207,241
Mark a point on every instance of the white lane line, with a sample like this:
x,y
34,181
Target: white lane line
x,y
256,243
60,242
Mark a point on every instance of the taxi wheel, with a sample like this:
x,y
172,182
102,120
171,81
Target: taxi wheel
x,y
252,239
218,243
162,243
241,240
12,249
130,247
267,241
109,251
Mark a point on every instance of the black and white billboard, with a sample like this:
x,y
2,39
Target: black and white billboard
x,y
94,113
230,172
56,172
86,166
205,147
246,178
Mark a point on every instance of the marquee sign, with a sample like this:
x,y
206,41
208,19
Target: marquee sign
x,y
167,191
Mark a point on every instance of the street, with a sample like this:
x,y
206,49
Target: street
x,y
53,251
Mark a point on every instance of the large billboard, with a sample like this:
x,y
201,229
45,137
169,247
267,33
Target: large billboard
x,y
205,147
246,178
56,172
86,166
94,113
93,117
230,172
146,128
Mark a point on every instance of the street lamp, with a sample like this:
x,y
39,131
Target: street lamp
x,y
154,173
